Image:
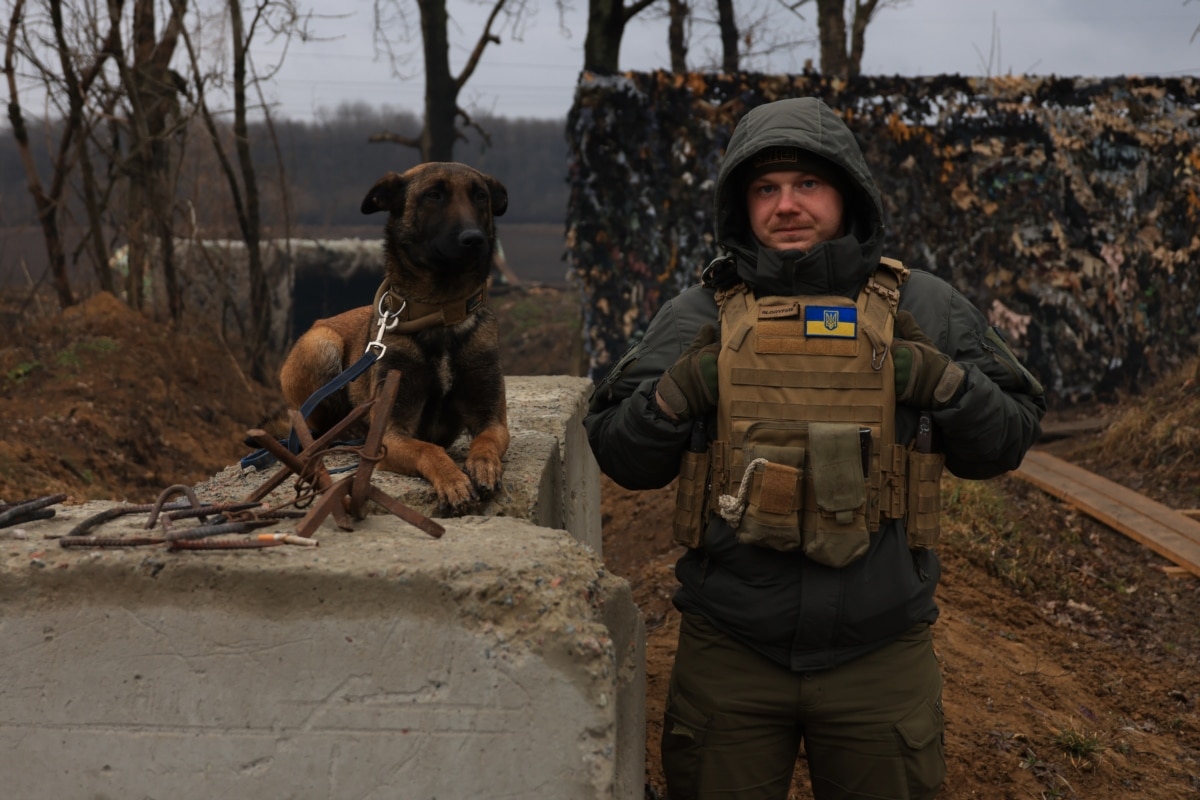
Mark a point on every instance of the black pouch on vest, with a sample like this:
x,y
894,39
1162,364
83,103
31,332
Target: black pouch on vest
x,y
834,527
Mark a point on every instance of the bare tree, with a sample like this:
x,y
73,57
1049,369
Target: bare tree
x,y
280,18
151,89
840,57
443,113
727,23
677,39
750,33
79,68
606,27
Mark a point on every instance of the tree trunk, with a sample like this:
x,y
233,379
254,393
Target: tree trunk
x,y
602,44
864,12
730,61
46,203
677,35
441,89
94,238
260,294
831,24
151,91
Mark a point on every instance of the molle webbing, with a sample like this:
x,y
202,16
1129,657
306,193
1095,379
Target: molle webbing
x,y
789,362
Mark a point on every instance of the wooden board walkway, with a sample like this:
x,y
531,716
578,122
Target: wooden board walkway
x,y
1170,533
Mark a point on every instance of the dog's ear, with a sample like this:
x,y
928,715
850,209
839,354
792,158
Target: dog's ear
x,y
386,195
498,194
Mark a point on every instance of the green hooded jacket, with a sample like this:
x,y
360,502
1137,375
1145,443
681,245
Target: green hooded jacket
x,y
800,614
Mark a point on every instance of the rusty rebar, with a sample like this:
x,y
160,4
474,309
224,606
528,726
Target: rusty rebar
x,y
167,493
205,531
109,541
24,511
222,544
109,514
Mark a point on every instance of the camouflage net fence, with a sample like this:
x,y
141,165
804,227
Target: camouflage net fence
x,y
1067,209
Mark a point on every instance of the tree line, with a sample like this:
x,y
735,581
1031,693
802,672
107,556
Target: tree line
x,y
155,123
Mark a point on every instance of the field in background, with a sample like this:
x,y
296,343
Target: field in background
x,y
534,252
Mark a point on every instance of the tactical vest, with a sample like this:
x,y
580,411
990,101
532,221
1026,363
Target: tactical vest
x,y
805,454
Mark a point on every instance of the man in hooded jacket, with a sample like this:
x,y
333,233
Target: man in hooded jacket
x,y
778,649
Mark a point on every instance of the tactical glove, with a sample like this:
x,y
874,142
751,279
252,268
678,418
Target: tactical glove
x,y
925,376
689,388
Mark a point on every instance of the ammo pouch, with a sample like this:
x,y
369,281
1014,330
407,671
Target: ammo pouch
x,y
691,500
809,493
922,519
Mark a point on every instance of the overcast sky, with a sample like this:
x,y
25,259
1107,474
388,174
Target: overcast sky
x,y
535,77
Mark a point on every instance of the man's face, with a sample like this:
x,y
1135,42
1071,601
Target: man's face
x,y
793,210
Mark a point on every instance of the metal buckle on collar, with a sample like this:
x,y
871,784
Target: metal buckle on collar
x,y
387,321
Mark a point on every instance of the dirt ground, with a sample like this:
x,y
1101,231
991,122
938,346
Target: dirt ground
x,y
1070,654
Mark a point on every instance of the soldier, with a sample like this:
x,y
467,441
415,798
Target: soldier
x,y
808,394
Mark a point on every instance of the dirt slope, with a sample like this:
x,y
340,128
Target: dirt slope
x,y
1070,656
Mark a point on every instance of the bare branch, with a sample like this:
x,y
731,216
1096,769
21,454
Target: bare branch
x,y
485,38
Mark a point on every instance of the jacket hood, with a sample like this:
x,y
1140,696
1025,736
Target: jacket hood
x,y
811,125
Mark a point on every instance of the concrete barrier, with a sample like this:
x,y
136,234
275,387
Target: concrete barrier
x,y
500,660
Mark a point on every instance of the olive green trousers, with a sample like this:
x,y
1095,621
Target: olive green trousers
x,y
735,722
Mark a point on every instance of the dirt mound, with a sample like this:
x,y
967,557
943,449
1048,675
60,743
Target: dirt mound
x,y
102,402
1071,658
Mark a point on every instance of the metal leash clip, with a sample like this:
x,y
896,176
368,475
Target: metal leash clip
x,y
387,321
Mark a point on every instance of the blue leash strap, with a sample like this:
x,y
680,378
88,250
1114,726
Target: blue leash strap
x,y
262,458
350,373
375,350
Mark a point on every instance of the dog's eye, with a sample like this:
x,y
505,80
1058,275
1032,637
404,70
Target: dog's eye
x,y
433,195
481,196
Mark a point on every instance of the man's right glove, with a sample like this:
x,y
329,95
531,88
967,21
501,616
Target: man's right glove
x,y
925,376
689,388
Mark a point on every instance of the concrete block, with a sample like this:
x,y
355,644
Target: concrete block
x,y
500,660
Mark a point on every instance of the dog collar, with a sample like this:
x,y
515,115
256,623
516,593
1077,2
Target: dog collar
x,y
411,316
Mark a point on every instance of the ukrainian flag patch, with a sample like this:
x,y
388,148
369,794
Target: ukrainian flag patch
x,y
838,322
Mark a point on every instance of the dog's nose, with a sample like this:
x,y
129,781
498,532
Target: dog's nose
x,y
472,238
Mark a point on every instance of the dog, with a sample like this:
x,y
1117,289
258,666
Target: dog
x,y
432,319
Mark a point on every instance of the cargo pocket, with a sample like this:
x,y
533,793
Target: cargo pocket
x,y
924,757
922,520
688,521
772,504
683,734
834,528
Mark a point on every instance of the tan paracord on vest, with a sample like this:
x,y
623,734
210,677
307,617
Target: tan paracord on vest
x,y
806,454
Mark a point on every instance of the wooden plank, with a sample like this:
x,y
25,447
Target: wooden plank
x,y
1052,430
1191,513
1169,518
1165,531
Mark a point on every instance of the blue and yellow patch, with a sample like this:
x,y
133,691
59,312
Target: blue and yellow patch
x,y
838,322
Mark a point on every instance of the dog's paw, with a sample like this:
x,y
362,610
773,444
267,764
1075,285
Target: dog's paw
x,y
455,495
485,473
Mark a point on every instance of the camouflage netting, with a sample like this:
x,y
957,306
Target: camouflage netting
x,y
1066,209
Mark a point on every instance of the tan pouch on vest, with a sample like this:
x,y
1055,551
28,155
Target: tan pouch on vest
x,y
773,500
922,520
834,522
688,521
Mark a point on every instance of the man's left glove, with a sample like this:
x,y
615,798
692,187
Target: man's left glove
x,y
925,376
689,388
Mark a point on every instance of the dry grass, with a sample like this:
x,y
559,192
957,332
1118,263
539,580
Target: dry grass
x,y
1163,426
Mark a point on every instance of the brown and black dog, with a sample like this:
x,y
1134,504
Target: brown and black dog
x,y
431,315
